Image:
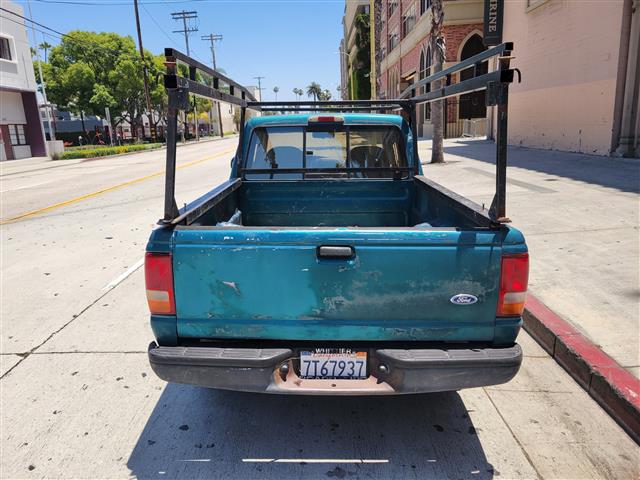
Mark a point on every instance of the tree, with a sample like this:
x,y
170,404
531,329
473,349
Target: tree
x,y
325,95
78,86
437,108
45,47
89,71
298,92
314,90
276,90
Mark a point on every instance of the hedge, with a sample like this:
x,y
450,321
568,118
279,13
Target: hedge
x,y
105,151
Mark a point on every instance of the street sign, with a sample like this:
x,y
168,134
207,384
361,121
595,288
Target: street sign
x,y
493,13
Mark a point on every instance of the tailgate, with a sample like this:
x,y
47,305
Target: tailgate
x,y
398,285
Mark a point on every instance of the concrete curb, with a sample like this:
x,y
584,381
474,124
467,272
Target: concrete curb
x,y
614,388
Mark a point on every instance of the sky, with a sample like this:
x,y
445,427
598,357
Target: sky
x,y
290,43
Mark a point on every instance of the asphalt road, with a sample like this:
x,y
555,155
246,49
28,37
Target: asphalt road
x,y
79,400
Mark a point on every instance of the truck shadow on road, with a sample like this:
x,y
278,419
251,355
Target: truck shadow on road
x,y
200,433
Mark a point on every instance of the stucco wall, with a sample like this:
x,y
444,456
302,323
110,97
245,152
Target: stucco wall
x,y
11,109
17,73
568,54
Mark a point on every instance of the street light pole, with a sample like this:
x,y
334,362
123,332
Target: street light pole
x,y
52,134
214,38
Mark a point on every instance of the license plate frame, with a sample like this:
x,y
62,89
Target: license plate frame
x,y
327,364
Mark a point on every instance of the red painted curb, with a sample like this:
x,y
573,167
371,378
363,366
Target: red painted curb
x,y
614,388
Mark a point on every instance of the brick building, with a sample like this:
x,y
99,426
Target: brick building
x,y
403,55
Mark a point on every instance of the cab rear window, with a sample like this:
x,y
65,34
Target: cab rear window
x,y
325,151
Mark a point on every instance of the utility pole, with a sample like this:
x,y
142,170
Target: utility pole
x,y
184,16
187,29
145,77
260,85
213,38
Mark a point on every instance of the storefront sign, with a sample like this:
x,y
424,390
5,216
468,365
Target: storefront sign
x,y
493,11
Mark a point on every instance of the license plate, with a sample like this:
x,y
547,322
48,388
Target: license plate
x,y
333,363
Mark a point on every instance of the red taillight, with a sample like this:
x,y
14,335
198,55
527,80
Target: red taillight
x,y
158,276
514,277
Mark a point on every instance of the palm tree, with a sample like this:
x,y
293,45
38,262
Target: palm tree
x,y
326,95
437,108
276,90
314,90
298,92
46,47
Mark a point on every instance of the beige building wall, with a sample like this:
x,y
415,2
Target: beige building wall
x,y
567,52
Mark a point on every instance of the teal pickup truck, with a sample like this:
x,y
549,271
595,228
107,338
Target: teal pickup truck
x,y
328,264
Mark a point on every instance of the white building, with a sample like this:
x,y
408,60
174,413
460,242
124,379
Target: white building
x,y
21,132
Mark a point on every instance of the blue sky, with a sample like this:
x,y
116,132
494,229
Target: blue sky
x,y
291,43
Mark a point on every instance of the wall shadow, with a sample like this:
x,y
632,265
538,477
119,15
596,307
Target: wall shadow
x,y
200,433
619,173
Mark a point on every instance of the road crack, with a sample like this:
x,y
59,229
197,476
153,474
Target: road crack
x,y
28,353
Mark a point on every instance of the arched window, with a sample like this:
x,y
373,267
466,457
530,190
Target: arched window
x,y
472,105
424,72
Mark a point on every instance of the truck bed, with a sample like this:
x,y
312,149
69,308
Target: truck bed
x,y
413,247
414,202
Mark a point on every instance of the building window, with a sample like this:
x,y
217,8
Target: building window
x,y
425,71
533,4
16,133
425,5
473,105
5,48
393,40
409,20
393,6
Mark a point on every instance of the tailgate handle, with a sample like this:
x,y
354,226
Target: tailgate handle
x,y
331,251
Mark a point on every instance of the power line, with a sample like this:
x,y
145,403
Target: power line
x,y
164,32
184,16
93,46
165,2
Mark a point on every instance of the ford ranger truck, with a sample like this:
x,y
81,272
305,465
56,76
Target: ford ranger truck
x,y
328,264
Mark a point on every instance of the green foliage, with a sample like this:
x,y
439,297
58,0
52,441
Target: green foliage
x,y
90,152
314,90
325,95
361,83
89,71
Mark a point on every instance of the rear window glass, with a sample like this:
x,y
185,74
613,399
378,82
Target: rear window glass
x,y
275,148
365,148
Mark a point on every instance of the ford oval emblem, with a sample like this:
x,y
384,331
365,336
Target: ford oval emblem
x,y
464,299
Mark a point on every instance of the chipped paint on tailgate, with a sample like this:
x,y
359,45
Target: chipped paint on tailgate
x,y
270,284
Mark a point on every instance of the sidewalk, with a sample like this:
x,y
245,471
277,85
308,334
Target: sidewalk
x,y
580,215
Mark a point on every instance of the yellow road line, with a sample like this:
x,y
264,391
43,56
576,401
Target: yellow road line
x,y
108,189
